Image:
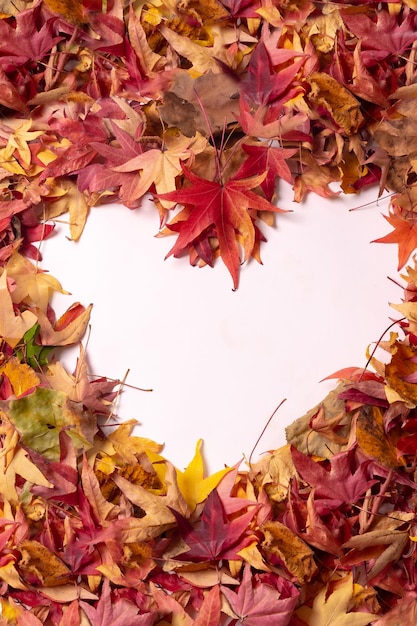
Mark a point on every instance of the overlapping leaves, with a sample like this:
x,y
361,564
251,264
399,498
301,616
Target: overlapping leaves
x,y
206,106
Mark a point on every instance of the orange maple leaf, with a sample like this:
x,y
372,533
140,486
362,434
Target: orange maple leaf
x,y
404,233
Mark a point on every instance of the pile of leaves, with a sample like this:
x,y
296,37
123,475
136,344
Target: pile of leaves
x,y
206,106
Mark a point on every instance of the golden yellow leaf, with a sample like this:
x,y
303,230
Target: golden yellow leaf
x,y
21,377
9,611
252,555
193,486
18,140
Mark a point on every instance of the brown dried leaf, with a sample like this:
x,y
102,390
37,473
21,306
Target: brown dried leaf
x,y
398,134
293,551
276,471
382,545
330,431
39,565
401,371
216,102
372,439
337,100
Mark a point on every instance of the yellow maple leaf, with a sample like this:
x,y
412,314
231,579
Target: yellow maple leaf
x,y
18,141
33,286
12,327
73,201
161,166
191,482
127,445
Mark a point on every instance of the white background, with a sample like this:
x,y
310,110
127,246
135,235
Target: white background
x,y
219,361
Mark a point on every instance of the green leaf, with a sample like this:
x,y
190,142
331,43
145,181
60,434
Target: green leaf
x,y
41,416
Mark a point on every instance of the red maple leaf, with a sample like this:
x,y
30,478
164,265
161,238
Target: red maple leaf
x,y
384,35
226,207
269,159
214,537
267,84
340,485
259,603
100,176
24,42
404,233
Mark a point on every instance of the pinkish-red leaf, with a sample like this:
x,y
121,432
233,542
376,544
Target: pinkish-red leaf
x,y
258,603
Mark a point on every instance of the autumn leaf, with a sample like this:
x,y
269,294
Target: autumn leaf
x,y
12,327
338,101
373,440
293,551
209,613
21,376
27,40
270,159
127,445
224,206
119,613
161,166
270,82
341,485
192,483
325,423
38,565
383,543
72,201
259,604
404,222
170,607
68,329
17,463
215,537
331,608
33,286
18,141
41,416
